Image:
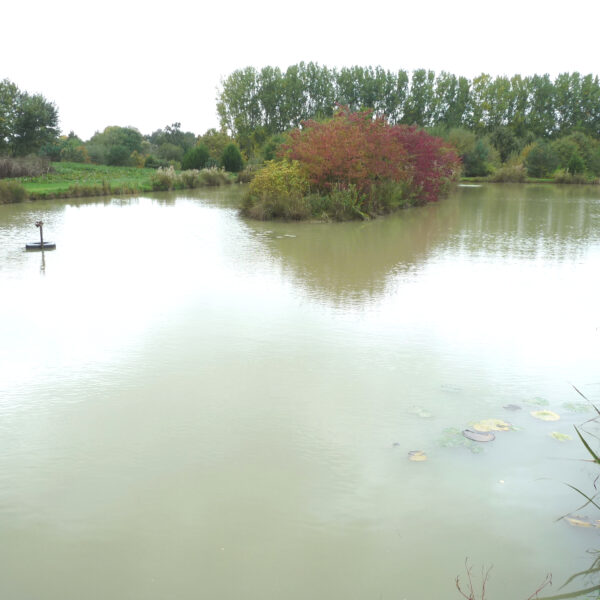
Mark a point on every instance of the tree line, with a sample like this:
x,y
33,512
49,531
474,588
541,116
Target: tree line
x,y
29,127
272,101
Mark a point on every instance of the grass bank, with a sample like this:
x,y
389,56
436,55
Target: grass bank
x,y
75,180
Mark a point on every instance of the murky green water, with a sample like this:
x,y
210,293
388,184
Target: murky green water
x,y
197,406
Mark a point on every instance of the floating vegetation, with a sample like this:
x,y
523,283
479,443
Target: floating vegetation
x,y
582,522
420,412
512,407
492,425
453,438
417,455
561,437
479,436
577,407
537,401
545,415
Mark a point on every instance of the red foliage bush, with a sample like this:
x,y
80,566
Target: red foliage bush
x,y
433,164
356,149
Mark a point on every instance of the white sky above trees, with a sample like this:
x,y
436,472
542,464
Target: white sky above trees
x,y
149,64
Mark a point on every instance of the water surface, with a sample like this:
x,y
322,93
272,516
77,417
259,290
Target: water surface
x,y
195,405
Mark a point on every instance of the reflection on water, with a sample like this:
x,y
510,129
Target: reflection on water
x,y
356,260
192,403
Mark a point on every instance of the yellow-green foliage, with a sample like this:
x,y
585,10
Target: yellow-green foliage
x,y
11,191
279,190
278,180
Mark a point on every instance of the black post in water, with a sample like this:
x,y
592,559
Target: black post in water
x,y
40,224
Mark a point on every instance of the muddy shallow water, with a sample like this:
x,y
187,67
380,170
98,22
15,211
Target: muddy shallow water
x,y
195,405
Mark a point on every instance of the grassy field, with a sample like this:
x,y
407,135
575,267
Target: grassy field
x,y
74,179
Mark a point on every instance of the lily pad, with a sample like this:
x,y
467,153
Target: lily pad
x,y
512,407
582,522
577,407
420,412
453,438
417,455
479,436
545,415
492,425
537,401
561,437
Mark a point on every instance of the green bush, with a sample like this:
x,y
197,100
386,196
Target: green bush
x,y
541,160
346,204
478,162
562,176
576,164
11,192
117,156
231,159
509,174
170,152
196,158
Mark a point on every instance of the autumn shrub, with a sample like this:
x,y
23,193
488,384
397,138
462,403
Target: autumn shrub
x,y
279,190
365,151
11,192
352,166
432,166
349,149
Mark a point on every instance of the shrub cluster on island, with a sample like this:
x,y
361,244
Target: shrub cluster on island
x,y
352,166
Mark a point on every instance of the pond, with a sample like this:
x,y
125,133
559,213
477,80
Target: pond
x,y
196,405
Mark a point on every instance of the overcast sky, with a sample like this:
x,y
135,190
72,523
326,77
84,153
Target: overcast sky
x,y
148,64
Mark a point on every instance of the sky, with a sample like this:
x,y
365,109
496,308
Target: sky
x,y
149,64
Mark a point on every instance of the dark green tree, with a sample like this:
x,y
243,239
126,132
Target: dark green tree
x,y
196,158
231,159
27,122
117,156
541,160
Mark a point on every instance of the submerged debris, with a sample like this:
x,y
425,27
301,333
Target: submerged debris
x,y
417,455
561,437
582,522
453,437
511,407
479,436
